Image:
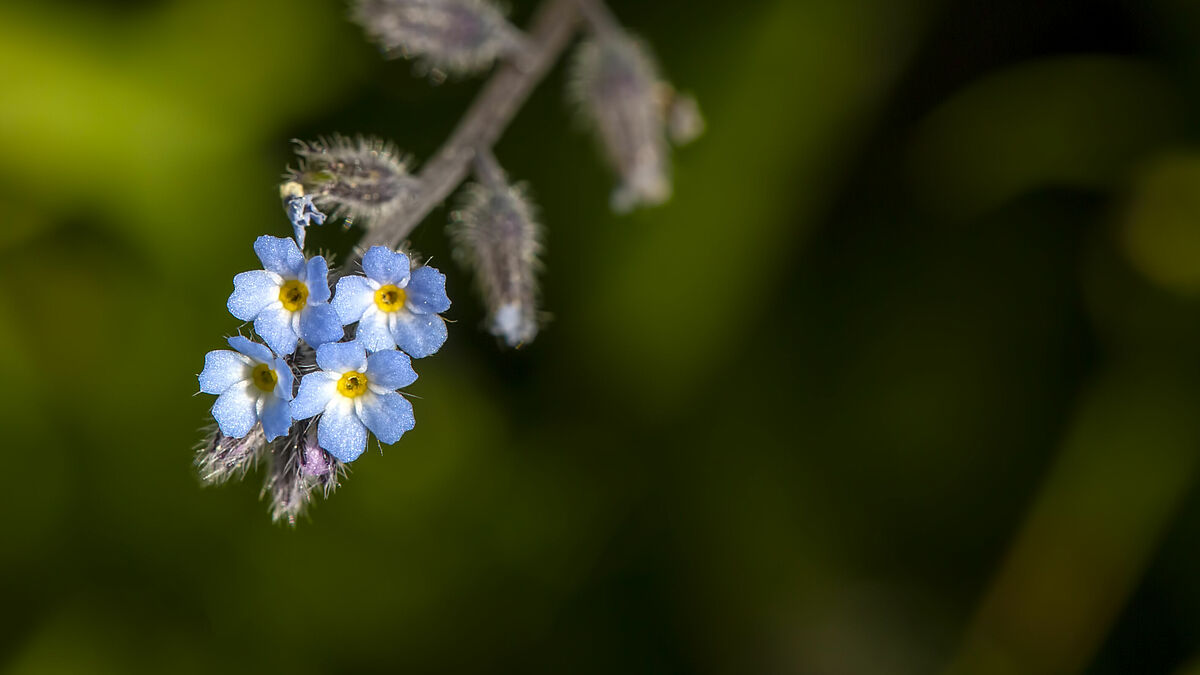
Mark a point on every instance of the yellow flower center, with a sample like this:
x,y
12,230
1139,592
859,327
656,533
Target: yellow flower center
x,y
390,298
264,378
293,295
352,385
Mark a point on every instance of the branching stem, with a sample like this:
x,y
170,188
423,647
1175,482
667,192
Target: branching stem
x,y
490,113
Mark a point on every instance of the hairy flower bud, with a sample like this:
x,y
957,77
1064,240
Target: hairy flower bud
x,y
315,462
451,36
356,178
299,468
496,235
616,85
222,457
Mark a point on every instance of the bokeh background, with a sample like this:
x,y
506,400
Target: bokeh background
x,y
906,378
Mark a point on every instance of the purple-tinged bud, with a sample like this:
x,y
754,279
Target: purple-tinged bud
x,y
445,36
355,178
315,462
498,237
615,82
222,457
298,470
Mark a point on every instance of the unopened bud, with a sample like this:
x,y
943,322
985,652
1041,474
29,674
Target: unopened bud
x,y
315,462
299,469
452,36
498,237
616,85
222,457
356,178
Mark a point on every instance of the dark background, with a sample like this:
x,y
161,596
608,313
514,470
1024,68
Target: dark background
x,y
905,379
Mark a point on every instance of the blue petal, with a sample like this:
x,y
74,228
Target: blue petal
x,y
236,410
386,266
418,334
302,212
373,332
314,214
280,255
341,357
316,390
427,292
222,370
276,417
252,292
320,324
390,369
340,432
283,389
354,295
254,350
317,279
275,327
299,233
388,415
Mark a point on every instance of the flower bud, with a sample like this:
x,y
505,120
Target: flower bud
x,y
222,457
446,36
616,85
299,468
315,462
685,123
356,178
497,236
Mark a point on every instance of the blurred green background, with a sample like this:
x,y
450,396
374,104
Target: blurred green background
x,y
906,379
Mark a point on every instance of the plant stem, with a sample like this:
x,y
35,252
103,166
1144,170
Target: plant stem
x,y
497,103
487,170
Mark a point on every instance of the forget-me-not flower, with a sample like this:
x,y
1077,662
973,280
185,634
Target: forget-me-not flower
x,y
252,385
354,392
394,307
288,299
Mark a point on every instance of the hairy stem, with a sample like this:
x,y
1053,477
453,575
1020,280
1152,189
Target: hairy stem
x,y
487,169
497,103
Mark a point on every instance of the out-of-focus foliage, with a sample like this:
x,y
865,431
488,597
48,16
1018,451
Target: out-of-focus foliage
x,y
904,378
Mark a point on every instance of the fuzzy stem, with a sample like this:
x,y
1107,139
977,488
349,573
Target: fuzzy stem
x,y
487,170
480,128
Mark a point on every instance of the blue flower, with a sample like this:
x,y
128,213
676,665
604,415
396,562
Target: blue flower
x,y
252,385
354,392
302,212
393,307
288,299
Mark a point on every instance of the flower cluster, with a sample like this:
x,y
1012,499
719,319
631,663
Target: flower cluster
x,y
323,368
326,369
